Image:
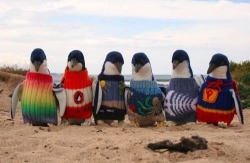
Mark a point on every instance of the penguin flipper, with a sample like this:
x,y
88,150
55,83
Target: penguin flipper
x,y
200,79
163,91
237,106
60,95
97,94
126,92
15,98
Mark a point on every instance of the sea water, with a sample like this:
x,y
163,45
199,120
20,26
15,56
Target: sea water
x,y
162,80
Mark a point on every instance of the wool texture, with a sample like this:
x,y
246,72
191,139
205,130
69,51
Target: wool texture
x,y
215,103
145,100
181,99
38,102
79,94
112,104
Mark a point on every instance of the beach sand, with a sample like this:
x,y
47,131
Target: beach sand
x,y
24,143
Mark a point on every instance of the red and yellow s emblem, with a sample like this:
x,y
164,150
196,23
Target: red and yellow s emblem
x,y
210,95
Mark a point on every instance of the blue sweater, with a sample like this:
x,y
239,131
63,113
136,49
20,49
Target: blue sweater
x,y
112,104
181,99
215,101
145,98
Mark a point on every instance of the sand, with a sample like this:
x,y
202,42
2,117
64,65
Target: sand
x,y
24,143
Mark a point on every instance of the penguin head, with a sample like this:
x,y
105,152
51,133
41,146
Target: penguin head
x,y
141,67
76,61
219,67
113,63
38,62
181,65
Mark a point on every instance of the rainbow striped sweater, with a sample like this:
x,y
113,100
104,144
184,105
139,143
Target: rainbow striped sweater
x,y
215,103
79,94
38,102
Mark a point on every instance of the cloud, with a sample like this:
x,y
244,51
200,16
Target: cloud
x,y
156,27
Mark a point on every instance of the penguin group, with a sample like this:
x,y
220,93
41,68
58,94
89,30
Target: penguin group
x,y
82,99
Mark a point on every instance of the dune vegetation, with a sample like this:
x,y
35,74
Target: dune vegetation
x,y
11,76
241,74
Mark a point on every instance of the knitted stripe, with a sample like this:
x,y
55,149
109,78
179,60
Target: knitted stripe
x,y
76,80
181,99
215,100
111,77
145,87
145,98
84,95
38,101
79,94
110,113
112,104
83,112
214,116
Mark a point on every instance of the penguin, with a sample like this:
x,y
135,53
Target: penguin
x,y
78,87
219,100
143,98
182,91
38,97
108,91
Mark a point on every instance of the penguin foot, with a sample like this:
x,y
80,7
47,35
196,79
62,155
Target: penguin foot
x,y
121,123
108,122
170,124
87,122
64,122
102,123
222,124
134,124
160,124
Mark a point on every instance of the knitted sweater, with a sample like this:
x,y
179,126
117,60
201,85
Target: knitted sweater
x,y
215,101
38,102
112,104
79,94
145,98
181,99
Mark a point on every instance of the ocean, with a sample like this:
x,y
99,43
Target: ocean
x,y
162,80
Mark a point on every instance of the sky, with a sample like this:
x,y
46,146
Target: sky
x,y
96,27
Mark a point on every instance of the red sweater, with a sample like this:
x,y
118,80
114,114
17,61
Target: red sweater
x,y
79,94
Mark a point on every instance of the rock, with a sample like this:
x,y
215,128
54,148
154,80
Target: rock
x,y
186,144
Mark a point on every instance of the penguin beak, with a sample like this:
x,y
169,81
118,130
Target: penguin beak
x,y
175,64
211,68
73,62
138,67
37,65
118,66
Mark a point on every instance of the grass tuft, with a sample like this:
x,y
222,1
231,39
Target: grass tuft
x,y
11,76
14,69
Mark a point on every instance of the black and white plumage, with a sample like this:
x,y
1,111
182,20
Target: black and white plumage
x,y
219,67
182,91
113,64
76,61
38,102
38,62
78,87
108,91
144,97
141,67
181,65
219,99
